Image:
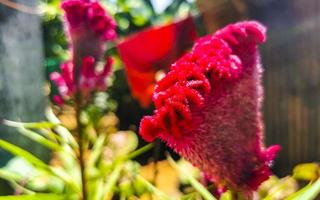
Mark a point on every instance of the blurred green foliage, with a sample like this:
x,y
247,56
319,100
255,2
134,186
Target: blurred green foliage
x,y
108,162
112,174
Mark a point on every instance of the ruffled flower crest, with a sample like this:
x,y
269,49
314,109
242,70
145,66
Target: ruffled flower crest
x,y
208,108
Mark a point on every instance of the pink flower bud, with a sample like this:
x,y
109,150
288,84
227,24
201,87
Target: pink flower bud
x,y
67,72
58,100
60,83
100,22
75,13
90,79
88,26
101,84
87,76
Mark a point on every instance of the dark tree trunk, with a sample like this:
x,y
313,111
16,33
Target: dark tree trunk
x,y
21,74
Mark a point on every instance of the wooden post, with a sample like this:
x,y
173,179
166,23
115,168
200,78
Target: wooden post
x,y
21,74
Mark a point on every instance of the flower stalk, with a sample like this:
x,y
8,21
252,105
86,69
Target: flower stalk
x,y
88,27
195,184
81,139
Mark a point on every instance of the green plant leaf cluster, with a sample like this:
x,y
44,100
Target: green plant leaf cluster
x,y
110,170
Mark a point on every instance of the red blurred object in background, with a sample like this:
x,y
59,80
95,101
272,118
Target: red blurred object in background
x,y
153,49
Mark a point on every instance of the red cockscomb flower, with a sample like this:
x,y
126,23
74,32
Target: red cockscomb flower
x,y
208,108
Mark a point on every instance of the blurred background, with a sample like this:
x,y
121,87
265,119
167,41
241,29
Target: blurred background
x,y
33,44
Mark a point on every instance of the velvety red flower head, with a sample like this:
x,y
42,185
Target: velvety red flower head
x,y
208,108
88,26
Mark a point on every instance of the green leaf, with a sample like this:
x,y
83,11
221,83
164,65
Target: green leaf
x,y
97,150
191,196
297,194
10,176
17,151
40,139
306,171
195,184
69,164
62,131
95,186
33,125
14,180
36,197
226,195
281,188
24,129
309,192
112,179
15,173
140,151
48,133
21,188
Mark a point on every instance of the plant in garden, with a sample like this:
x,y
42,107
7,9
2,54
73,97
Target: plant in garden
x,y
207,109
88,27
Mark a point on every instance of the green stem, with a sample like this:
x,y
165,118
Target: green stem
x,y
80,129
156,154
15,180
195,184
151,188
81,147
112,179
114,176
312,192
140,151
